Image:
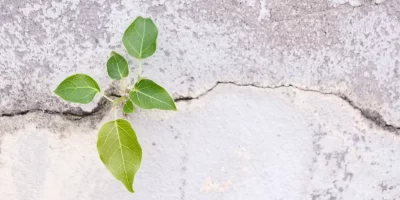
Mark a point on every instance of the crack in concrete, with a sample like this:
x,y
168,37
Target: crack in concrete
x,y
104,105
371,115
73,114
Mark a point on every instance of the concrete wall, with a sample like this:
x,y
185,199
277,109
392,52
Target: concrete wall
x,y
277,99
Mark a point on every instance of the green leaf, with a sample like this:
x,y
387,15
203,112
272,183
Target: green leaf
x,y
117,66
148,95
78,88
120,150
140,39
128,107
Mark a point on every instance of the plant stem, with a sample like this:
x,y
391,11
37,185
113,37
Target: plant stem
x,y
108,98
116,102
140,69
124,85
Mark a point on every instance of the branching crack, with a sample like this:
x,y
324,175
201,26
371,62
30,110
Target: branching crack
x,y
104,105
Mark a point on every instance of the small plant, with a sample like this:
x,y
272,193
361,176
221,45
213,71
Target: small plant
x,y
117,143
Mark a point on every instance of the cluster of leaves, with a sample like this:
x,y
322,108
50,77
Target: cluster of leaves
x,y
117,142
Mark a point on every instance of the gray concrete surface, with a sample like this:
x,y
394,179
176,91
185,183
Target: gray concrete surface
x,y
277,99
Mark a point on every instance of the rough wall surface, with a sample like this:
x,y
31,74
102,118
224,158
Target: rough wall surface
x,y
277,99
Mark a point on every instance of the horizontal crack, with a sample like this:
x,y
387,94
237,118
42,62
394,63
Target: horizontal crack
x,y
73,114
371,115
104,105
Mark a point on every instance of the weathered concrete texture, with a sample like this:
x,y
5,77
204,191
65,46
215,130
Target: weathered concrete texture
x,y
233,143
278,99
349,47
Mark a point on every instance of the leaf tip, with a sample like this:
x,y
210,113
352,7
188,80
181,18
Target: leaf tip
x,y
129,187
174,108
55,91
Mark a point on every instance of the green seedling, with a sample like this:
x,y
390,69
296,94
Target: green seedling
x,y
117,143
